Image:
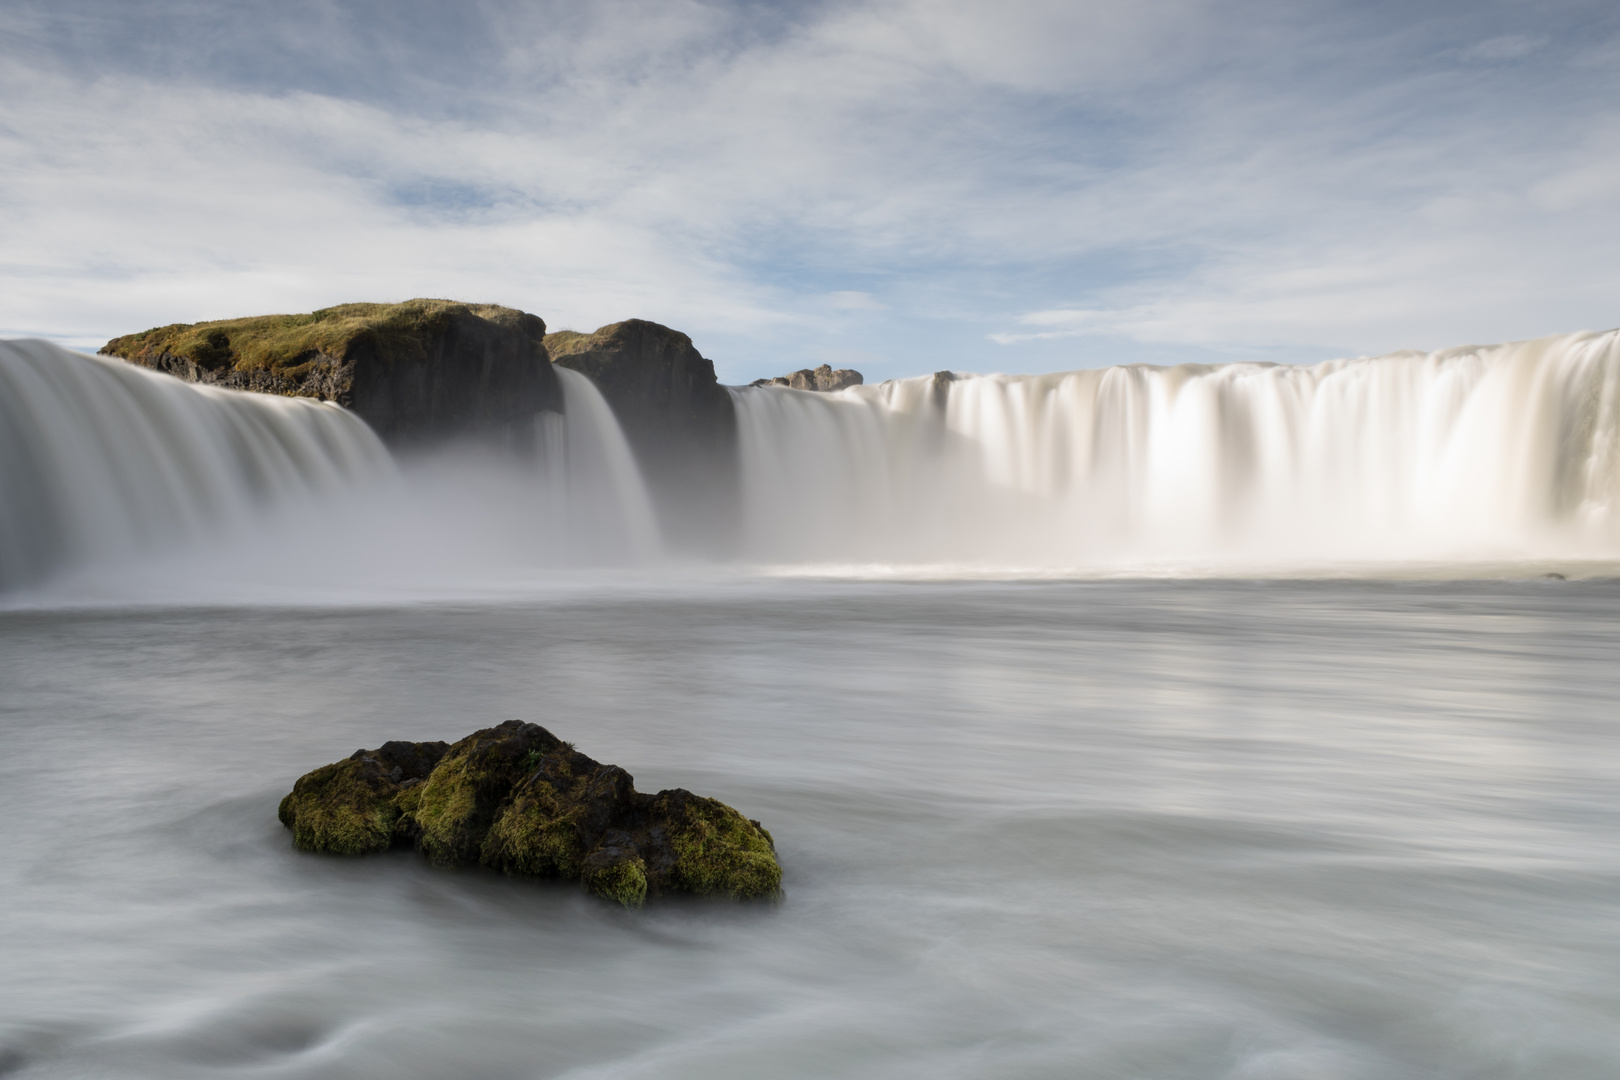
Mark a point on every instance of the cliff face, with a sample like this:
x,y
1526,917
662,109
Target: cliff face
x,y
677,417
416,371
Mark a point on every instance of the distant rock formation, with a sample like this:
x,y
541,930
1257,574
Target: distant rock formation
x,y
679,420
415,371
515,798
823,378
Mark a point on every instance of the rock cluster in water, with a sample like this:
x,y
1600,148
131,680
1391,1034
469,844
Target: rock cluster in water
x,y
823,378
516,798
422,369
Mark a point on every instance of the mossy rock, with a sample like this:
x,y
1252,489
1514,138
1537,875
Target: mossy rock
x,y
419,370
517,799
290,345
615,874
351,807
461,799
557,815
718,852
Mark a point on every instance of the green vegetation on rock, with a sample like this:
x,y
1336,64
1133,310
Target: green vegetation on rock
x,y
622,880
517,799
717,850
290,345
352,807
414,371
459,801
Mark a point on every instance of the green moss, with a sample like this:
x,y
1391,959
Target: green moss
x,y
460,800
406,828
515,798
542,830
341,809
564,342
445,813
623,880
537,835
290,345
718,852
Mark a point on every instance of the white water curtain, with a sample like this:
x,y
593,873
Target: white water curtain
x,y
1507,452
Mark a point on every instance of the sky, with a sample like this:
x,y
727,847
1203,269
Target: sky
x,y
898,186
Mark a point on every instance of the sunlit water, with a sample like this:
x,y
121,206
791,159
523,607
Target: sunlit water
x,y
1278,831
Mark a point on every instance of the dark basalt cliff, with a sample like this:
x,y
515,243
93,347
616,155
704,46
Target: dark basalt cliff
x,y
515,798
416,371
679,420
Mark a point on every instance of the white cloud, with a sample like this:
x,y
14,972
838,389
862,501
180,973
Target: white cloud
x,y
855,301
1170,172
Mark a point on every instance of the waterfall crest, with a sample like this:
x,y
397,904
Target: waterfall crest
x,y
99,458
1474,453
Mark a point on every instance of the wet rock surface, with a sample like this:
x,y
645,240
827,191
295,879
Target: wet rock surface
x,y
517,799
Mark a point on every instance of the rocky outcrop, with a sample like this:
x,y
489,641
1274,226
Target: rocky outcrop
x,y
416,371
515,798
823,378
679,420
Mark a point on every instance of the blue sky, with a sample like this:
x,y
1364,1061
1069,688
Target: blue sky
x,y
899,187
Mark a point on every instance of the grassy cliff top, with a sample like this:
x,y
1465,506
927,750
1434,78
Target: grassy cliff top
x,y
285,343
564,342
568,342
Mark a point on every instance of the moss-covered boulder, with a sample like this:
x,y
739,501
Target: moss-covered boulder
x,y
416,370
517,799
351,807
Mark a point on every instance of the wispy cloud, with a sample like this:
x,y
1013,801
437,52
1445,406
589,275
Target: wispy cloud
x,y
1506,47
1051,325
929,184
851,300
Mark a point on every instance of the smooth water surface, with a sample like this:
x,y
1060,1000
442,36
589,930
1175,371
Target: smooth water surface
x,y
1292,831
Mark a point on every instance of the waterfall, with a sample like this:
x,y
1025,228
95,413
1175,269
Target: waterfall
x,y
219,492
1478,453
1505,453
596,501
99,458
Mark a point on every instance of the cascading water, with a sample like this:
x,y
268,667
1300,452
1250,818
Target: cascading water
x,y
1466,455
222,493
1508,452
99,458
596,498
